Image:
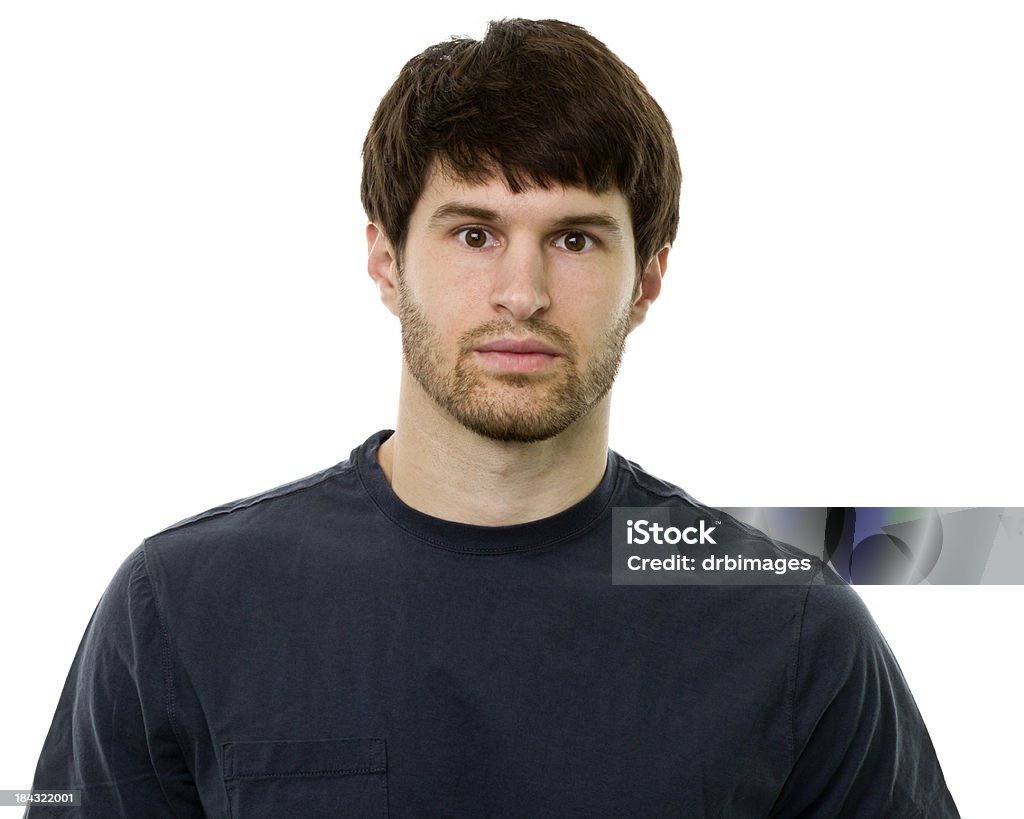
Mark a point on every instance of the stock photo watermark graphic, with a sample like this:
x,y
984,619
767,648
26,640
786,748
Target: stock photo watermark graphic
x,y
683,545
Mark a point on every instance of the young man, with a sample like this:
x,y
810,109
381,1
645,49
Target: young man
x,y
431,626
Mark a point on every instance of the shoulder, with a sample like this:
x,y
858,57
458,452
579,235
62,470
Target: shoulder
x,y
639,488
642,484
282,501
840,641
270,501
219,545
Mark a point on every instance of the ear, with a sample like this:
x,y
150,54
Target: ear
x,y
649,287
382,266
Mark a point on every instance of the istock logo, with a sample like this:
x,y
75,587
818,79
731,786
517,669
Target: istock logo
x,y
640,532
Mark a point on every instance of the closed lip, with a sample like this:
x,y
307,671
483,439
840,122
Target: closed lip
x,y
517,345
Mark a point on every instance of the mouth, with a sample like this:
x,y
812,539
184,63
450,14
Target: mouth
x,y
517,355
523,346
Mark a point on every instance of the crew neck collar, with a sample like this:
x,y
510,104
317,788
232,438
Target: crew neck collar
x,y
470,538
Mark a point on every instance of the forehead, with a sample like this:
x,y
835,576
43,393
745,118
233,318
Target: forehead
x,y
446,196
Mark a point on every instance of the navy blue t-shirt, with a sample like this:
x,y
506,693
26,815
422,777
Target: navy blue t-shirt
x,y
323,649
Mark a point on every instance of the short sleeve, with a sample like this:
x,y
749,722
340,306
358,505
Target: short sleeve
x,y
860,746
112,736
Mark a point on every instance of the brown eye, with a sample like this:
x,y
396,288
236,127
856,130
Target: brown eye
x,y
574,241
475,238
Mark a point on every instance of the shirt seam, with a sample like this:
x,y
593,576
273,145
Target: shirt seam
x,y
794,674
301,774
167,668
242,504
113,783
664,491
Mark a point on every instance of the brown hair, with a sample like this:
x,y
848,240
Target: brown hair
x,y
538,102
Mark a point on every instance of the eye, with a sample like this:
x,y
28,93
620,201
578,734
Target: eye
x,y
575,241
475,237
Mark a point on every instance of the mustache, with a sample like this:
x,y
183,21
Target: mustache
x,y
534,327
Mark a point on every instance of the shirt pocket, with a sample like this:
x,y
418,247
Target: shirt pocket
x,y
310,778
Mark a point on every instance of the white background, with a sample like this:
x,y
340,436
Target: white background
x,y
185,315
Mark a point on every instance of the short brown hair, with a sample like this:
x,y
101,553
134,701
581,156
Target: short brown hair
x,y
540,103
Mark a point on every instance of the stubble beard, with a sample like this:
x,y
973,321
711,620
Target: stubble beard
x,y
520,407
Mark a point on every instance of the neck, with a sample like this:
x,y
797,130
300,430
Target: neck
x,y
441,468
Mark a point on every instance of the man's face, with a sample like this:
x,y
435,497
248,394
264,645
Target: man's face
x,y
515,307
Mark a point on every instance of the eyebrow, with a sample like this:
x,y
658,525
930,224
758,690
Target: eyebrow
x,y
597,219
602,221
460,210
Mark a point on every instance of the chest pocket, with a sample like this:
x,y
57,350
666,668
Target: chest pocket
x,y
312,779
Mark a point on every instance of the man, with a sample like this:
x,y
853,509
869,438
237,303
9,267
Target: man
x,y
431,626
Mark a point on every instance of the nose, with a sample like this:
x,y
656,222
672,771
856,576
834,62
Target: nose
x,y
520,285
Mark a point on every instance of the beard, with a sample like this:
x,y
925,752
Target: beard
x,y
520,407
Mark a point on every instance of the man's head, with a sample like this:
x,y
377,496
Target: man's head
x,y
536,103
523,191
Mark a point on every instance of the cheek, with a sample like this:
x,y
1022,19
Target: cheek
x,y
603,284
588,307
448,279
436,297
448,313
602,321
